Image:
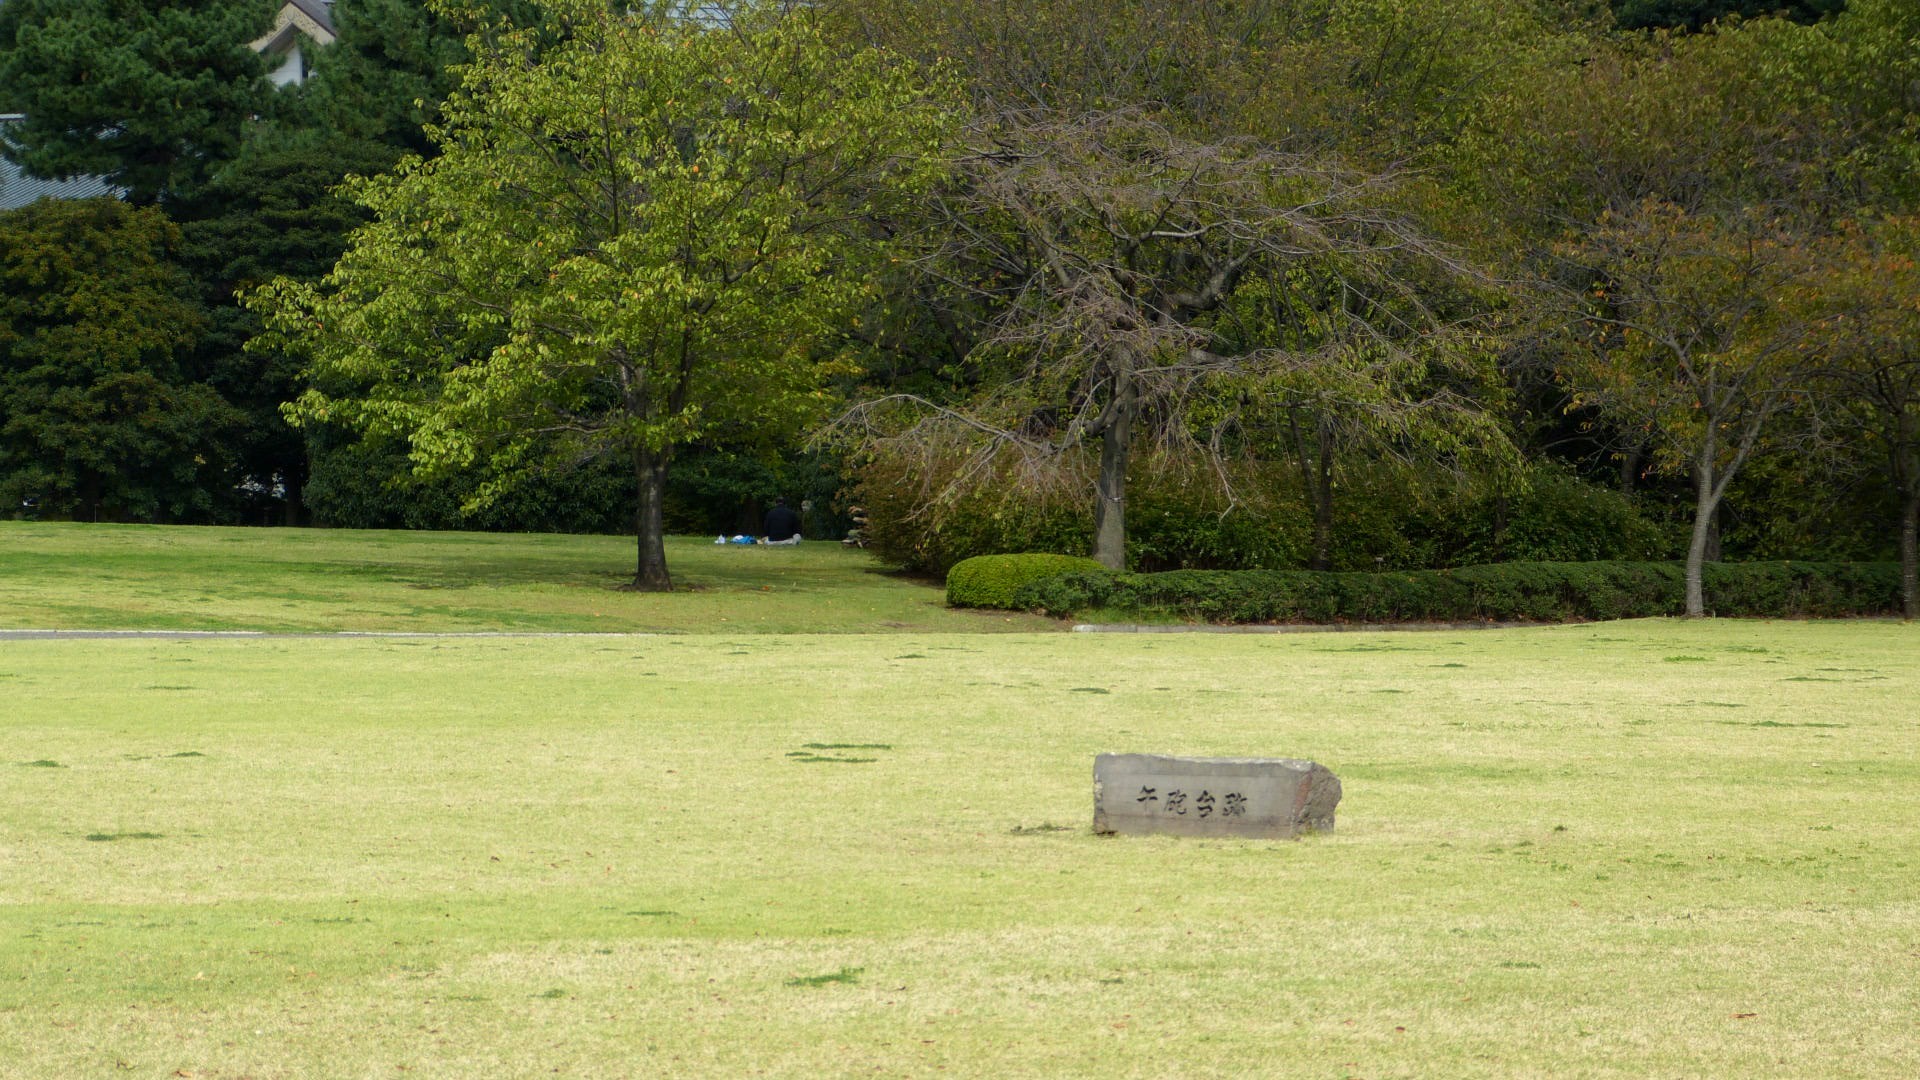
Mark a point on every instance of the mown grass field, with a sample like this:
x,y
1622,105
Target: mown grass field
x,y
1612,850
142,577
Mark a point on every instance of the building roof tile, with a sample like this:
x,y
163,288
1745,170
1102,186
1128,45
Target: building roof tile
x,y
18,190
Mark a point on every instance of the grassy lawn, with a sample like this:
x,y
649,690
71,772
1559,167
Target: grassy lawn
x,y
137,577
1622,850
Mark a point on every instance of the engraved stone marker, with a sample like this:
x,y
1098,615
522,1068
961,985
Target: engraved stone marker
x,y
1265,798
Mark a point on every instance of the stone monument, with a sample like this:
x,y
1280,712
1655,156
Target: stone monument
x,y
1262,798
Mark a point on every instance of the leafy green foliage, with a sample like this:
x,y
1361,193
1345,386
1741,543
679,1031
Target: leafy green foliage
x,y
367,482
153,96
1554,518
992,581
1532,592
100,416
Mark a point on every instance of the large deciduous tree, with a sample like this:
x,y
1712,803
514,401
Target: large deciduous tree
x,y
632,237
151,95
100,414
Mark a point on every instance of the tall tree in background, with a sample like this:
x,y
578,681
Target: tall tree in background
x,y
384,77
153,95
1854,80
1375,80
269,213
629,239
1402,377
393,63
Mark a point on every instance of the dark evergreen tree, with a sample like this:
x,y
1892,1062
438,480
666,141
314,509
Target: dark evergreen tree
x,y
385,77
101,415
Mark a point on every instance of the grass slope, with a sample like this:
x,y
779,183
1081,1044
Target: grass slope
x,y
139,577
1620,850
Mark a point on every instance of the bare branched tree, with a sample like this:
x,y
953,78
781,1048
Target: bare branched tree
x,y
1109,247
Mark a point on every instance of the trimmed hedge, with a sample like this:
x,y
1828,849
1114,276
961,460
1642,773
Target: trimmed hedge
x,y
1498,592
993,581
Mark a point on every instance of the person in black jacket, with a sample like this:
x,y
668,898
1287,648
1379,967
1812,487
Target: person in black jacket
x,y
782,524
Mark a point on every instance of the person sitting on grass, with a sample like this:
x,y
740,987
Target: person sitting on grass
x,y
782,525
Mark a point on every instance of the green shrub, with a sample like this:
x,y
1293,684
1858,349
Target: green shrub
x,y
1556,518
993,581
1502,592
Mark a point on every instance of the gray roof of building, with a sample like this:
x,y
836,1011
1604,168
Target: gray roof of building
x,y
319,11
17,190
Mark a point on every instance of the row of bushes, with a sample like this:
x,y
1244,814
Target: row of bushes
x,y
1530,592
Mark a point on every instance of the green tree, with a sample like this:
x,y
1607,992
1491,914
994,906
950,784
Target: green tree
x,y
630,239
99,416
270,210
384,77
1401,379
152,95
393,63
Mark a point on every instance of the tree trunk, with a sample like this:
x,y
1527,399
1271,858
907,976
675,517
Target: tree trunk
x,y
650,470
1316,480
89,497
1910,554
1110,490
1323,501
1630,468
1904,459
1704,505
296,508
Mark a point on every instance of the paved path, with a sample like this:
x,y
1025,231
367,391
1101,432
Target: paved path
x,y
194,635
1291,628
1083,628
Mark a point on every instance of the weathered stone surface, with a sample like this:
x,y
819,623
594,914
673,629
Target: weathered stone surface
x,y
1264,798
